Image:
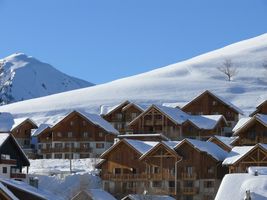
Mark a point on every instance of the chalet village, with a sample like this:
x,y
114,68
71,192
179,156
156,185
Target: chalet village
x,y
141,151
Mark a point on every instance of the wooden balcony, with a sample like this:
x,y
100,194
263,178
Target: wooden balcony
x,y
189,190
8,161
66,150
164,191
143,177
189,176
18,175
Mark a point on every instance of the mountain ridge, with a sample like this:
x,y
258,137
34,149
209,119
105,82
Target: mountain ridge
x,y
25,77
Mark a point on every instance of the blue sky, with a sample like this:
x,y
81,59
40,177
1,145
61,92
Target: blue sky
x,y
100,41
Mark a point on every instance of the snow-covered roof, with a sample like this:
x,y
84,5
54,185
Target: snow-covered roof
x,y
238,152
206,122
51,121
171,144
157,135
100,194
98,120
234,187
8,192
141,146
245,121
175,104
205,146
148,196
260,170
225,140
107,109
175,114
20,185
3,137
241,123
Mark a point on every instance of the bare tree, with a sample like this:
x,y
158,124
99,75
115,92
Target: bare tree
x,y
228,69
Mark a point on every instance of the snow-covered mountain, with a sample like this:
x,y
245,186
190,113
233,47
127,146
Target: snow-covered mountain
x,y
24,77
178,82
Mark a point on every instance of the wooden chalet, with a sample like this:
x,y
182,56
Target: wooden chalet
x,y
200,171
93,194
145,137
260,109
21,129
243,157
207,103
12,158
251,131
176,124
132,166
122,114
75,135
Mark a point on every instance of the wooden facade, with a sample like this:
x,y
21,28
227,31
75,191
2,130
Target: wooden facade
x,y
74,137
154,120
221,144
252,132
122,115
209,104
257,156
127,171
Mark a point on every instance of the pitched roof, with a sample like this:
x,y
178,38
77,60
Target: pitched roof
x,y
225,140
96,194
221,99
239,152
176,115
175,104
205,146
50,122
154,135
9,123
244,122
106,109
22,186
8,192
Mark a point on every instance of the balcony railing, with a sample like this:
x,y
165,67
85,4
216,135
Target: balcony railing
x,y
8,161
18,175
189,176
118,177
189,190
66,150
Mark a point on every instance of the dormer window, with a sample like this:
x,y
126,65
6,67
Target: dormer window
x,y
214,103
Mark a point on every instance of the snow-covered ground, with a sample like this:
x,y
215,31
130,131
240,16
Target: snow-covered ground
x,y
234,187
178,82
24,77
54,175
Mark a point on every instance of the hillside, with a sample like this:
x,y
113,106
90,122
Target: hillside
x,y
175,83
23,77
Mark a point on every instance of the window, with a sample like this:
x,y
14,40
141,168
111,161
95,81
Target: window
x,y
68,156
211,170
71,123
214,103
58,145
119,126
188,184
119,116
85,134
69,134
134,115
209,184
85,145
4,170
189,170
99,145
156,170
59,134
26,142
48,156
117,171
69,145
157,184
171,183
100,134
58,155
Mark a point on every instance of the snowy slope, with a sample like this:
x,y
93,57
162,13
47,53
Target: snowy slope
x,y
179,82
24,77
